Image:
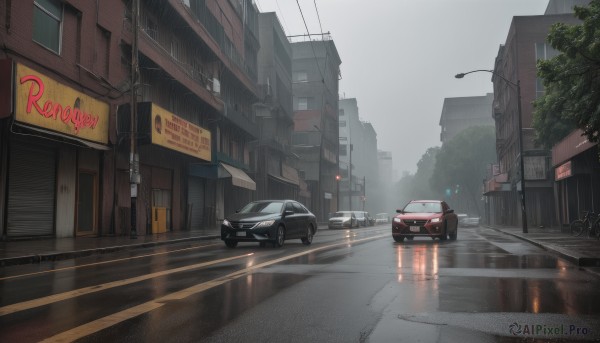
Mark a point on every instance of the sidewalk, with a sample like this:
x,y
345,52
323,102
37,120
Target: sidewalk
x,y
581,251
40,250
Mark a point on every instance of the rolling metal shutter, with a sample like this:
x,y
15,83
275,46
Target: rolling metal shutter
x,y
196,201
31,191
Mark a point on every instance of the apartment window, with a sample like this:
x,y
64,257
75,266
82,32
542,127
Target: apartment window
x,y
543,51
342,123
302,104
47,23
343,149
301,76
341,112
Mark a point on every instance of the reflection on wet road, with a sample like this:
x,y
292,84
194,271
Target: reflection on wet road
x,y
349,285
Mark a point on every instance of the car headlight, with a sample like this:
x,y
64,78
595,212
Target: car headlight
x,y
435,220
226,223
397,220
265,223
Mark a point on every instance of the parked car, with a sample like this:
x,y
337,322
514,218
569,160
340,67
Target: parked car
x,y
364,218
461,218
343,220
269,221
425,218
470,222
382,218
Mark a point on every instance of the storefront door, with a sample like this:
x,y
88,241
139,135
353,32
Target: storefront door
x,y
86,203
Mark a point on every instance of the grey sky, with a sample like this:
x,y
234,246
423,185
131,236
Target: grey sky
x,y
399,58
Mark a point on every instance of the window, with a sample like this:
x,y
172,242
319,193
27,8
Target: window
x,y
543,51
302,104
342,112
343,149
47,23
301,76
342,123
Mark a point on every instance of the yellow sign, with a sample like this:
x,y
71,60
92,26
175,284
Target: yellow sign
x,y
170,131
43,102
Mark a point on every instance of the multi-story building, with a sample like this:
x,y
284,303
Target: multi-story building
x,y
315,84
464,112
66,141
386,179
359,187
516,65
276,178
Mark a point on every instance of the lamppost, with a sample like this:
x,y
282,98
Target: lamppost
x,y
337,181
521,160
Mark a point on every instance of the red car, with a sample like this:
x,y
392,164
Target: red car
x,y
425,218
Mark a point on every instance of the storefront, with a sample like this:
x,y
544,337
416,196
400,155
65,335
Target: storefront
x,y
167,145
51,156
577,177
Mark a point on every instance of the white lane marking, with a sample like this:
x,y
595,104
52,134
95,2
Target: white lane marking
x,y
104,262
25,305
116,318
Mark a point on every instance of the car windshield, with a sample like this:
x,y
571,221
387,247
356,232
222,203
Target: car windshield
x,y
359,215
343,214
423,207
263,207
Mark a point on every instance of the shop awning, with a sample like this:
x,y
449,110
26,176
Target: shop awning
x,y
284,180
238,177
87,143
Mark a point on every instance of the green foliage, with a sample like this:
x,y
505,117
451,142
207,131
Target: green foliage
x,y
416,186
464,161
571,80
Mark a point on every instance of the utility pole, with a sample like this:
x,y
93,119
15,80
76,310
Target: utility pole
x,y
364,191
134,163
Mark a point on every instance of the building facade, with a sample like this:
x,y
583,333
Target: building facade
x,y
315,86
464,112
516,65
276,175
69,71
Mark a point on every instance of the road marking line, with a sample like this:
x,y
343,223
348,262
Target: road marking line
x,y
26,305
116,318
104,262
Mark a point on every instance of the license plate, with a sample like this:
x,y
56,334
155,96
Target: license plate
x,y
415,229
241,233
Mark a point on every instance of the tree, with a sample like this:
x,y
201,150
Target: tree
x,y
571,80
463,161
416,186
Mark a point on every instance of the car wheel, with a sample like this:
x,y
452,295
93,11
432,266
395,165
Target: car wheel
x,y
309,236
398,239
231,244
444,235
280,237
410,238
454,234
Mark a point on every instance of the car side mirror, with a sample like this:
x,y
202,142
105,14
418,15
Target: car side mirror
x,y
288,212
399,211
449,211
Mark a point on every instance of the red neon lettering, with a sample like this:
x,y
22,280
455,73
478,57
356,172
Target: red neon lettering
x,y
55,110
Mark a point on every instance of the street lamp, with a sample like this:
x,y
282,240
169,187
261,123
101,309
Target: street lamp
x,y
522,167
337,179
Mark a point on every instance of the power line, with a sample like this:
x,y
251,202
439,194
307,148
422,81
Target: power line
x,y
310,40
319,17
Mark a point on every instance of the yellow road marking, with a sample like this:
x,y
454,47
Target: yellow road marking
x,y
104,262
5,310
116,318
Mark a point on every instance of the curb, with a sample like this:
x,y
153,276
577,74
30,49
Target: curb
x,y
66,255
578,261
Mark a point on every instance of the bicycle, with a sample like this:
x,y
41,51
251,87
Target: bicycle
x,y
590,221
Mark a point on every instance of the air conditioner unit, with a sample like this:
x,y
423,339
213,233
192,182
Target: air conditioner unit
x,y
216,86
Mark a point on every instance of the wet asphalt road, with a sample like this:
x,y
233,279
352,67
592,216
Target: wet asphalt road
x,y
348,286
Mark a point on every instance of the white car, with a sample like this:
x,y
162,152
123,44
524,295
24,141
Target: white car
x,y
382,218
343,220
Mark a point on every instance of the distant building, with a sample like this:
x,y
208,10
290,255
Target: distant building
x,y
315,88
564,6
276,178
464,112
358,149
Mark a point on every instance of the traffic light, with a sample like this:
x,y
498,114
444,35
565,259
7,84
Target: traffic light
x,y
338,178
